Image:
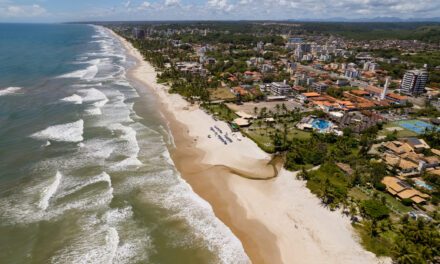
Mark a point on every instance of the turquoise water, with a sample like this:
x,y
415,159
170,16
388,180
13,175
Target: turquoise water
x,y
422,184
320,124
85,172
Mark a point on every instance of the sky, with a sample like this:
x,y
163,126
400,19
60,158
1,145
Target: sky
x,y
105,10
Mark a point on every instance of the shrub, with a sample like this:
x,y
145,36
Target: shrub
x,y
374,209
407,201
380,186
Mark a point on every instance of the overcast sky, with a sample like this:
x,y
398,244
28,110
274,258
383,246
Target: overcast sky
x,y
81,10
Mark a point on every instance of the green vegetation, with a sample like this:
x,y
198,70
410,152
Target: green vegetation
x,y
407,241
374,209
418,60
220,93
221,111
347,175
328,182
424,31
394,134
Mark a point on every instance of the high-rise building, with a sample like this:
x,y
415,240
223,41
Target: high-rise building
x,y
413,82
138,33
260,46
352,73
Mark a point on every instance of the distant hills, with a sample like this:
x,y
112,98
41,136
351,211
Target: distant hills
x,y
376,19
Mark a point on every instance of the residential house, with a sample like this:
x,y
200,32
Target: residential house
x,y
397,98
418,144
402,190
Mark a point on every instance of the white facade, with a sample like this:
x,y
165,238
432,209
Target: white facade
x,y
414,82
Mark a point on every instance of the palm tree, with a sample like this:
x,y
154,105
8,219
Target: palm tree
x,y
284,135
283,106
353,211
278,107
403,252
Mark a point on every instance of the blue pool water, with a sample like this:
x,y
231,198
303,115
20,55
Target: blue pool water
x,y
321,124
422,184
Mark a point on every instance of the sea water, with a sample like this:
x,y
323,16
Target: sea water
x,y
85,172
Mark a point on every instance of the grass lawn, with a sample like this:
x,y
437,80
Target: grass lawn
x,y
263,137
356,193
328,177
400,133
221,111
390,200
221,93
296,133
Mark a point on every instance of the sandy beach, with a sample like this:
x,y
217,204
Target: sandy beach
x,y
277,219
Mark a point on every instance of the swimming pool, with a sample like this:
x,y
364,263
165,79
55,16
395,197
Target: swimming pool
x,y
424,185
321,125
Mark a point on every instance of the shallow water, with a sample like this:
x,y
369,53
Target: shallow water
x,y
84,178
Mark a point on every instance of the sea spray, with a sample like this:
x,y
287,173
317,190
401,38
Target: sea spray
x,y
70,132
9,90
112,200
49,191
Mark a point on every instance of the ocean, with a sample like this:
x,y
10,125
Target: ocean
x,y
85,171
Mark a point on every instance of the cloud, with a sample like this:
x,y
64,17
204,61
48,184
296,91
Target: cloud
x,y
171,2
227,9
22,11
144,5
220,5
245,2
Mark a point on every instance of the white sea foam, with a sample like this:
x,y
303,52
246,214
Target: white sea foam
x,y
76,99
103,177
70,132
9,90
94,111
87,85
99,148
128,162
93,246
49,191
198,214
94,95
85,74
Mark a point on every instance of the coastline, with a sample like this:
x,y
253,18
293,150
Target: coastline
x,y
277,220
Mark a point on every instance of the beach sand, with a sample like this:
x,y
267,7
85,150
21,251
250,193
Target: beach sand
x,y
277,219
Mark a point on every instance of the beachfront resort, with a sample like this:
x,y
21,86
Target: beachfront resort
x,y
358,128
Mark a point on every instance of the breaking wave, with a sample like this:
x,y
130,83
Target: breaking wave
x,y
70,132
9,90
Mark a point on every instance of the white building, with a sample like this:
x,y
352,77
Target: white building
x,y
414,82
352,73
281,88
319,87
371,66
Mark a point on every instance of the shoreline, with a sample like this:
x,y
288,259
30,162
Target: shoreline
x,y
277,220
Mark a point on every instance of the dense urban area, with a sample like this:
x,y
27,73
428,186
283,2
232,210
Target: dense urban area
x,y
353,106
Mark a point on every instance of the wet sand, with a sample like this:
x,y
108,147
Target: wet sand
x,y
277,219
